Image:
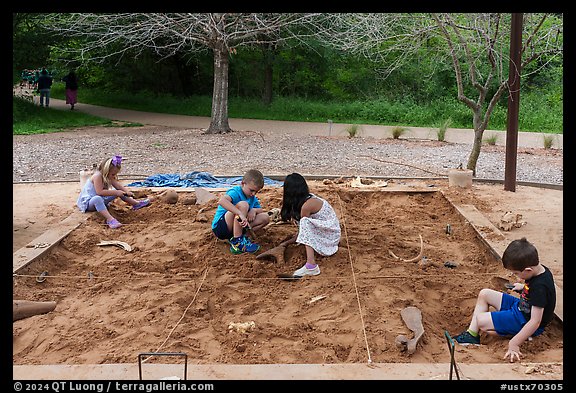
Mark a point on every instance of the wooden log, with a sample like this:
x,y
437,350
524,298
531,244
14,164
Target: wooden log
x,y
25,308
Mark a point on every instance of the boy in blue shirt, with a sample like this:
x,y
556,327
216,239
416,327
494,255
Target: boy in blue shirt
x,y
239,209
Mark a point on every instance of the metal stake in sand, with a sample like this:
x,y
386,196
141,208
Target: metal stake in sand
x,y
451,345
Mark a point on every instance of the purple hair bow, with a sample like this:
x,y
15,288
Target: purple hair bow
x,y
116,160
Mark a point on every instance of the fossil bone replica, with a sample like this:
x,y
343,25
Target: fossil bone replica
x,y
412,317
415,259
510,221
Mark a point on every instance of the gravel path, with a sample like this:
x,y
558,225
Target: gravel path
x,y
151,150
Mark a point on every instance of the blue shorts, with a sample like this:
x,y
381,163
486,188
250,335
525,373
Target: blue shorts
x,y
510,320
221,229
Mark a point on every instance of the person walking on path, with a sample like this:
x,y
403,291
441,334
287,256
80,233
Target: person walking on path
x,y
44,84
71,89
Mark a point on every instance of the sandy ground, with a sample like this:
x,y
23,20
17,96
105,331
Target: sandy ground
x,y
181,290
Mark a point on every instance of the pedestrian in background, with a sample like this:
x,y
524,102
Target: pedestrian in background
x,y
71,89
44,84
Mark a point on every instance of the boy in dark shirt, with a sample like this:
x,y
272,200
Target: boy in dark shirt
x,y
520,317
44,84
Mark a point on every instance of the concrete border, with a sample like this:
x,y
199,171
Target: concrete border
x,y
551,186
354,371
45,242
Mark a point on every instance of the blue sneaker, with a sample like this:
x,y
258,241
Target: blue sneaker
x,y
250,247
465,338
239,245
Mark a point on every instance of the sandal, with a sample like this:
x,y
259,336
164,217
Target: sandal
x,y
114,223
141,204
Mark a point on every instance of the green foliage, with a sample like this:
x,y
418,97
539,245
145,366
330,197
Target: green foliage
x,y
30,43
380,111
246,72
348,78
542,110
143,100
300,73
309,82
32,119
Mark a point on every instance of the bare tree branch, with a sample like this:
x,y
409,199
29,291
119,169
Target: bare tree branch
x,y
167,34
476,44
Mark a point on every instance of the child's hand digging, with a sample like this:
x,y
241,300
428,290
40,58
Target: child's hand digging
x,y
513,351
243,221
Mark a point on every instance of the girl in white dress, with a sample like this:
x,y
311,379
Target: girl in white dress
x,y
318,225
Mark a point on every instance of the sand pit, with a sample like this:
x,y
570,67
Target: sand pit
x,y
181,290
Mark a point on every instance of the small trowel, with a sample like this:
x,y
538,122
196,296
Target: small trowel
x,y
248,226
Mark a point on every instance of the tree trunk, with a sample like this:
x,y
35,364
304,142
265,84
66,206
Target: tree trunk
x,y
268,74
184,77
219,120
475,153
268,83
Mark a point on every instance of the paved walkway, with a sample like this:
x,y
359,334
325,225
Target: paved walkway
x,y
282,372
454,135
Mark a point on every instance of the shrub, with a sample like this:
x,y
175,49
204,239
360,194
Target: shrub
x,y
398,131
491,140
443,128
548,140
353,130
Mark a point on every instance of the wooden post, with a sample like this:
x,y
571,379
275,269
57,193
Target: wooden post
x,y
513,102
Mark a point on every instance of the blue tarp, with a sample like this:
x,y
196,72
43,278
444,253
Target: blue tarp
x,y
196,179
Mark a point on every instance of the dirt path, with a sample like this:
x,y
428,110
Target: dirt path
x,y
453,135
